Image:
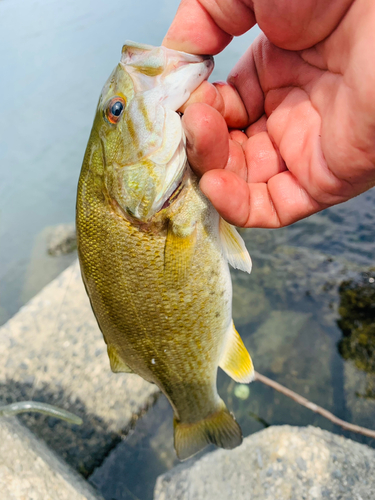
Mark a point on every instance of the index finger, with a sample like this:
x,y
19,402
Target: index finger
x,y
208,26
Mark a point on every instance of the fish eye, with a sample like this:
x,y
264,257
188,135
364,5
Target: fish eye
x,y
114,110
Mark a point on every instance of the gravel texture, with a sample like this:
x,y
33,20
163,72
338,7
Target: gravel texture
x,y
30,471
53,351
281,462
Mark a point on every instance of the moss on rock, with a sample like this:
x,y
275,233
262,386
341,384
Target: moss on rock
x,y
357,321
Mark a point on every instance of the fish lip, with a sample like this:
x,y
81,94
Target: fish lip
x,y
210,63
186,58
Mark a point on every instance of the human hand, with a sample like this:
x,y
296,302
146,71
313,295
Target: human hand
x,y
293,130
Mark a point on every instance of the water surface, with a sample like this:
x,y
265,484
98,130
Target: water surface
x,y
55,57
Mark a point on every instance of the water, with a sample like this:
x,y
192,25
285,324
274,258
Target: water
x,y
55,57
286,312
54,61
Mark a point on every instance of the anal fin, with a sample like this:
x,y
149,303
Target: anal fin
x,y
219,428
117,364
236,361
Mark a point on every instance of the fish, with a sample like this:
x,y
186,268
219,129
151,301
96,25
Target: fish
x,y
153,250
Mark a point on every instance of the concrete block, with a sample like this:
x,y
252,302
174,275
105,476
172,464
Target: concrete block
x,y
281,462
30,470
53,351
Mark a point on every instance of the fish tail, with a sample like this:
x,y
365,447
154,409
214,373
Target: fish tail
x,y
219,428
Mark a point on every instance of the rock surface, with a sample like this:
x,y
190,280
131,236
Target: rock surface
x,y
46,262
281,462
62,239
29,470
53,351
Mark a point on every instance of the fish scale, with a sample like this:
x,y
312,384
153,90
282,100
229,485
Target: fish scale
x,y
139,280
158,278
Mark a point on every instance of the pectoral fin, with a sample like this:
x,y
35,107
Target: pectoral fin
x,y
236,361
178,253
117,364
234,248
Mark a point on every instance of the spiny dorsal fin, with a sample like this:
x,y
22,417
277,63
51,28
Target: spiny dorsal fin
x,y
178,252
219,428
236,361
234,249
117,364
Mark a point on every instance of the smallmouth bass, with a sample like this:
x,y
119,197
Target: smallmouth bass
x,y
154,252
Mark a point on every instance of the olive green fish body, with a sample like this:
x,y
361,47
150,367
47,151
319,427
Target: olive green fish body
x,y
154,257
168,329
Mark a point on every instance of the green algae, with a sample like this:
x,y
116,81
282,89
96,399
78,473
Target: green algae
x,y
357,321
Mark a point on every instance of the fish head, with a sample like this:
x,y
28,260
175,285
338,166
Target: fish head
x,y
140,131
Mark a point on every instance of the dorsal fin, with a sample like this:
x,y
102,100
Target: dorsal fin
x,y
233,247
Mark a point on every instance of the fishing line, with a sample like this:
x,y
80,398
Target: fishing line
x,y
314,407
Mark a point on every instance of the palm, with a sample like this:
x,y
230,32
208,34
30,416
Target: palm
x,y
311,139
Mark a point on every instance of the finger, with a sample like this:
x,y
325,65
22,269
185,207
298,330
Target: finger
x,y
262,158
208,94
236,160
225,99
228,193
207,27
244,78
295,127
257,127
278,69
207,138
265,74
238,136
193,30
296,25
234,111
278,203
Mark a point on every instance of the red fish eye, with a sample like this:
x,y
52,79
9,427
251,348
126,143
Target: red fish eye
x,y
115,109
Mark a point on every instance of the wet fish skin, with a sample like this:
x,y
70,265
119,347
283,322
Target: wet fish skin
x,y
158,278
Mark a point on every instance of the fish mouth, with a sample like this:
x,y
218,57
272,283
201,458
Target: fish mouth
x,y
170,74
163,80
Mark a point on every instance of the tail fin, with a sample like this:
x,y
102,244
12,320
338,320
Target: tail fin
x,y
219,428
